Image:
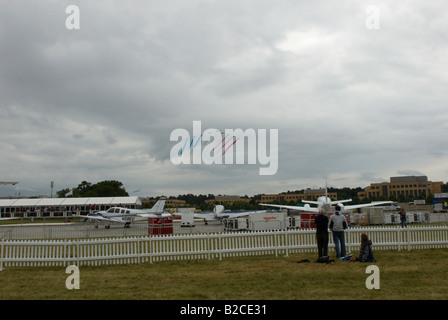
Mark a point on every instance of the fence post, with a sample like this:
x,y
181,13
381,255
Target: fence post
x,y
409,238
275,243
347,240
77,253
220,246
64,253
151,249
139,250
1,257
208,246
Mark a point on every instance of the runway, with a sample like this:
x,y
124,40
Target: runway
x,y
76,230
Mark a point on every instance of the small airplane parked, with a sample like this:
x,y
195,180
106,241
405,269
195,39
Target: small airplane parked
x,y
128,216
324,202
220,213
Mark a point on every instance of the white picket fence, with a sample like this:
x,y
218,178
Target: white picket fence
x,y
207,246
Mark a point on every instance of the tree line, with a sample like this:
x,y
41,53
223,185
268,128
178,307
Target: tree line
x,y
114,188
106,188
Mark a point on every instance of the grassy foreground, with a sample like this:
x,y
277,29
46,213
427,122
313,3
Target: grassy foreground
x,y
415,274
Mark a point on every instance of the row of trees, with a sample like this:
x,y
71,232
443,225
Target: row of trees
x,y
106,188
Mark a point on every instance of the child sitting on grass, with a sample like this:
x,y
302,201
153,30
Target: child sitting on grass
x,y
365,254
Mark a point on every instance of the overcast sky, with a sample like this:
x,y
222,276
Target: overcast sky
x,y
357,93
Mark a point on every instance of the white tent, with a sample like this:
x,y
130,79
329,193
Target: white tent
x,y
62,206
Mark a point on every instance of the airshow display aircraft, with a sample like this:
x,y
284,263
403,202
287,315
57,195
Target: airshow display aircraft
x,y
128,216
324,202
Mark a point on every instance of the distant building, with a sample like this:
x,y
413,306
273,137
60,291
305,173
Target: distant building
x,y
169,203
415,186
308,194
174,203
227,200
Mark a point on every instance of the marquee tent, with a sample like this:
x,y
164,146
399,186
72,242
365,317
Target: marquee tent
x,y
11,207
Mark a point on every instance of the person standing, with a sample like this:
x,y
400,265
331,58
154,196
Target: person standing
x,y
338,224
321,221
402,214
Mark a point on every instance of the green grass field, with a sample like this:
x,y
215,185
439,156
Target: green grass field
x,y
415,274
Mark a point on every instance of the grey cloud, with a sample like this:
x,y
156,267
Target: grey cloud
x,y
78,136
103,100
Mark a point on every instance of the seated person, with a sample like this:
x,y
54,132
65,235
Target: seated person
x,y
365,254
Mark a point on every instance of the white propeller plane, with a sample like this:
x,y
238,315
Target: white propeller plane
x,y
324,202
219,213
128,216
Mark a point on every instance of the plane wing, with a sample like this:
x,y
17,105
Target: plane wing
x,y
209,216
309,209
340,201
310,202
238,214
97,217
222,215
372,204
154,215
124,218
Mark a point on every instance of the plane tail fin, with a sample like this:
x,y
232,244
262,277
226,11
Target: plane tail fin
x,y
218,209
158,207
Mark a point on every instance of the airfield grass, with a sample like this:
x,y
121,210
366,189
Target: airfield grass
x,y
404,275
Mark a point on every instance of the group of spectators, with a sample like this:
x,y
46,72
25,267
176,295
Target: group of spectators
x,y
337,225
